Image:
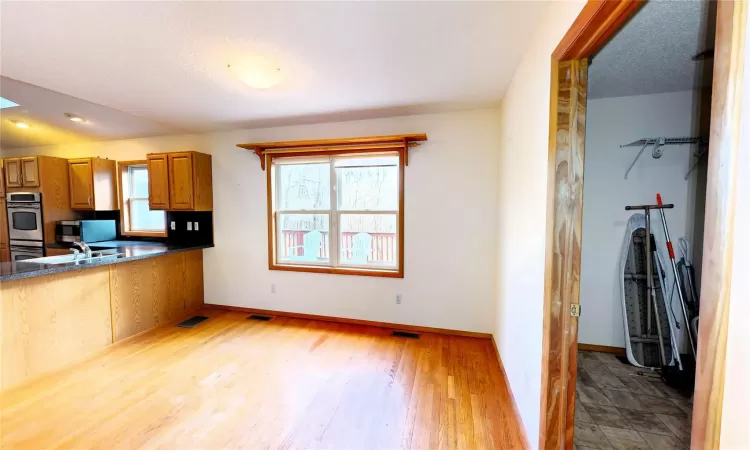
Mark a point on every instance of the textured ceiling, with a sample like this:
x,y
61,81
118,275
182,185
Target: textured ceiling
x,y
653,52
167,61
44,111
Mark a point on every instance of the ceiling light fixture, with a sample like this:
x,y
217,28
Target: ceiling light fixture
x,y
256,71
74,117
23,125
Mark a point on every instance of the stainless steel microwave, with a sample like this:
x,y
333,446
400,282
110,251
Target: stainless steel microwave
x,y
85,230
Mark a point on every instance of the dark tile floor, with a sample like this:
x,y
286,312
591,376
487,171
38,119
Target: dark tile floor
x,y
619,408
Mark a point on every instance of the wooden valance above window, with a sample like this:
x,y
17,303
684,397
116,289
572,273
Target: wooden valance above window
x,y
398,142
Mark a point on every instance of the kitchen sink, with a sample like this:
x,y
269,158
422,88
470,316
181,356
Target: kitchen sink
x,y
79,258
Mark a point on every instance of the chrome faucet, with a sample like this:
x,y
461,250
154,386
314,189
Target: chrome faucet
x,y
84,248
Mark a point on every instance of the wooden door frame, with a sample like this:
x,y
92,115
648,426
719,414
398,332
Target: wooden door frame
x,y
595,25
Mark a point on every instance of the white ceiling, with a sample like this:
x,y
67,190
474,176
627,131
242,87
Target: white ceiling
x,y
44,111
652,53
166,61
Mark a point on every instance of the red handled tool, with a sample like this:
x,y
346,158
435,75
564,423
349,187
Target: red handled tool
x,y
676,274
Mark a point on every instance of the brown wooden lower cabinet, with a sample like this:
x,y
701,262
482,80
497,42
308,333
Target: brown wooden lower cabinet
x,y
154,291
53,321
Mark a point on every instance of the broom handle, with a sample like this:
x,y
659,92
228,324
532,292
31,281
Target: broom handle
x,y
676,275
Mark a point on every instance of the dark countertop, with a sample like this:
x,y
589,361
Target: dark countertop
x,y
131,251
107,244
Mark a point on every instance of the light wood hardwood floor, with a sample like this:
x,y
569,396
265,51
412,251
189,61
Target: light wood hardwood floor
x,y
288,383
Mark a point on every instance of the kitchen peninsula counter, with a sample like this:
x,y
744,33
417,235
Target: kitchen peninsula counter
x,y
123,253
53,316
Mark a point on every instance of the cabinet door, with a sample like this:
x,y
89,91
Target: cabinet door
x,y
30,171
180,180
13,172
81,177
158,182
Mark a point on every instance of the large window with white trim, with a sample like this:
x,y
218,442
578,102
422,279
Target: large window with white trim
x,y
338,212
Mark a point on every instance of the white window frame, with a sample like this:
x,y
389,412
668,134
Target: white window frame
x,y
334,217
126,169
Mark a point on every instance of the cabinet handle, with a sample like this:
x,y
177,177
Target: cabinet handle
x,y
88,202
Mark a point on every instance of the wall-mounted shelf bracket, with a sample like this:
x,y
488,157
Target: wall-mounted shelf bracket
x,y
657,150
699,154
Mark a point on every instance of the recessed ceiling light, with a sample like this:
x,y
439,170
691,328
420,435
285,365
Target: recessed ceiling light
x,y
256,71
74,117
5,103
21,124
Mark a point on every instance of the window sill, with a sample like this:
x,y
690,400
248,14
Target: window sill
x,y
340,271
144,233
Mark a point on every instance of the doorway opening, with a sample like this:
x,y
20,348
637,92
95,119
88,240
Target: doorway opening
x,y
647,127
594,27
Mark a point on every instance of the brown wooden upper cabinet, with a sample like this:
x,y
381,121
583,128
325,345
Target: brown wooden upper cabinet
x,y
93,184
30,171
22,172
158,181
12,172
181,175
180,181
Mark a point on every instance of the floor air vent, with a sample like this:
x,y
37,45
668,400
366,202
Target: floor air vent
x,y
405,334
192,322
260,318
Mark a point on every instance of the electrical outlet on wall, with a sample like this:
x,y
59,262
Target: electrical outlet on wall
x,y
173,225
195,226
398,299
273,288
190,226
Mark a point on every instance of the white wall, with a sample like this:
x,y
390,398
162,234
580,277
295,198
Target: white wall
x,y
612,122
450,222
522,201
